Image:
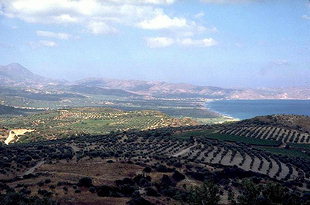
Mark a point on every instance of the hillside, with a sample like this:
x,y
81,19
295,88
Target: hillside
x,y
87,121
15,75
296,122
161,166
282,128
183,90
8,110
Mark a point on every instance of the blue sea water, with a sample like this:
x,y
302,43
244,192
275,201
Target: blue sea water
x,y
245,109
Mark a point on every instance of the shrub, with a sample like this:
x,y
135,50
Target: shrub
x,y
177,176
92,189
139,201
207,194
85,182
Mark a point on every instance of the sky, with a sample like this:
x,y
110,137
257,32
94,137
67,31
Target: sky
x,y
226,43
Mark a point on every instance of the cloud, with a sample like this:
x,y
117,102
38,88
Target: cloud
x,y
99,17
280,62
127,12
159,42
42,43
47,43
206,42
178,25
306,17
228,1
199,15
97,27
49,34
144,1
162,21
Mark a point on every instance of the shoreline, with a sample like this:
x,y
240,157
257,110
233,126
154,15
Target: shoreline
x,y
226,118
247,109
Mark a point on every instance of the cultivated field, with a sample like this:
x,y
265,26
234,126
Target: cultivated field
x,y
80,121
160,166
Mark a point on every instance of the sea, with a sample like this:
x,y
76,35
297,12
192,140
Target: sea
x,y
245,109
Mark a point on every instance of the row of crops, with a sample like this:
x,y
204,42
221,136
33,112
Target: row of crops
x,y
268,133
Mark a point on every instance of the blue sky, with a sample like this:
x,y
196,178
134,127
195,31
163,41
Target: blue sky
x,y
228,43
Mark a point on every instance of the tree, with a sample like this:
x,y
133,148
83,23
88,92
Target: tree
x,y
206,194
249,193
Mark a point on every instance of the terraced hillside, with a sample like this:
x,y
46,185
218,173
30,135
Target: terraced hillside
x,y
71,122
174,164
284,128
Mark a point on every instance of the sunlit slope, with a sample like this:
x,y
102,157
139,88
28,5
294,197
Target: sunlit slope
x,y
71,122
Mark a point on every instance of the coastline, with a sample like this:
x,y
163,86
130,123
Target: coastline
x,y
246,109
223,118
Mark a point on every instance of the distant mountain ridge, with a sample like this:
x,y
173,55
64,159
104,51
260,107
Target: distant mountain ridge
x,y
15,75
183,90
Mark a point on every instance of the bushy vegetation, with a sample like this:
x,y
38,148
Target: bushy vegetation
x,y
81,121
183,164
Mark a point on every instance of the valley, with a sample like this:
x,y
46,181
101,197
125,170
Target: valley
x,y
100,141
64,123
158,166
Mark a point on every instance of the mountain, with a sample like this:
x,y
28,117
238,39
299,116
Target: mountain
x,y
159,89
15,75
183,90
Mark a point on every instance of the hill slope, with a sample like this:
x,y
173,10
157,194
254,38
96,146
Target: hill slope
x,y
183,90
282,128
18,76
15,74
90,121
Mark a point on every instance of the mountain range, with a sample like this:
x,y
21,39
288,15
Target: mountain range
x,y
15,75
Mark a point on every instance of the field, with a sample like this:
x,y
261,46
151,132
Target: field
x,y
87,121
213,134
109,156
286,133
150,166
285,152
63,97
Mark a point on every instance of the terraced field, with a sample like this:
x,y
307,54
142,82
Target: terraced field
x,y
195,154
269,132
287,129
198,150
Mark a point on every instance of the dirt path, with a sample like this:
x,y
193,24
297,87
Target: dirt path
x,y
32,169
15,133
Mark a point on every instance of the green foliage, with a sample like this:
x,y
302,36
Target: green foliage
x,y
285,152
246,140
226,137
274,192
267,194
14,198
250,193
206,194
92,121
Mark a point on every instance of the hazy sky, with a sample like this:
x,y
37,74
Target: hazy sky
x,y
229,43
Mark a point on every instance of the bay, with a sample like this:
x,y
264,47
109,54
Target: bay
x,y
245,109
